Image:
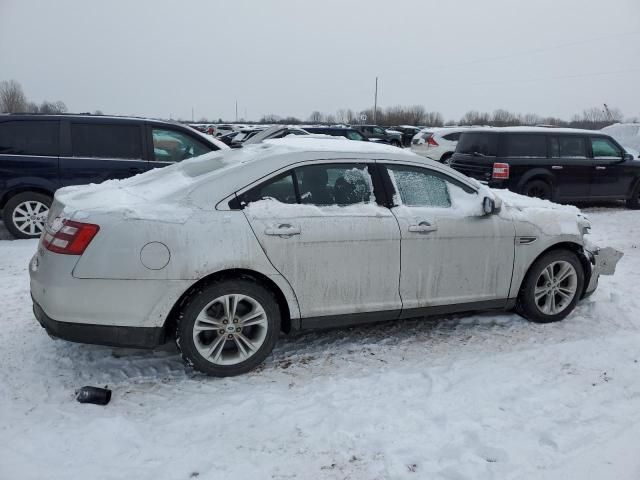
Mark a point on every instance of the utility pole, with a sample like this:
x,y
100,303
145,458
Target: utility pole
x,y
236,111
375,104
192,115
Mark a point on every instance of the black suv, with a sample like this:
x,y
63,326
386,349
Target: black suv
x,y
380,134
41,153
551,163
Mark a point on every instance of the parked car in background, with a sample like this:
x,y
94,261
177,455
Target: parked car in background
x,y
346,132
378,134
559,164
437,143
275,131
41,153
407,131
291,234
225,129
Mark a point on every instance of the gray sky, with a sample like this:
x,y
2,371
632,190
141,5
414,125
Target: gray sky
x,y
160,58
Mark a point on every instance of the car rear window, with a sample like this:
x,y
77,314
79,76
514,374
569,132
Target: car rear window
x,y
525,145
106,141
478,143
452,137
38,137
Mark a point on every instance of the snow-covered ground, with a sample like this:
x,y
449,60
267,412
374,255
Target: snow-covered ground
x,y
485,396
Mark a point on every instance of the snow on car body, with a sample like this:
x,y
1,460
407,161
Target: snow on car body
x,y
227,249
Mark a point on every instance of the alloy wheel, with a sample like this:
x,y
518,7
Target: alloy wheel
x,y
556,287
30,217
230,329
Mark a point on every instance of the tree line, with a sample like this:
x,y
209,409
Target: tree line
x,y
592,118
14,100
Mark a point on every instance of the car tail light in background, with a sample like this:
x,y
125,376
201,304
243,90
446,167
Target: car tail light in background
x,y
71,239
500,171
431,141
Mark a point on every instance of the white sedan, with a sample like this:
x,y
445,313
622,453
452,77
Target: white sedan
x,y
224,252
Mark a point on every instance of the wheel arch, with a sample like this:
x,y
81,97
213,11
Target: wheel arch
x,y
287,323
574,247
536,174
24,189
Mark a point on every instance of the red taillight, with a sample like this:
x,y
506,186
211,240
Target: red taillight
x,y
431,141
72,239
500,171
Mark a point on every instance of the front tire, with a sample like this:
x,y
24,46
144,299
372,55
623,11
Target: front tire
x,y
228,327
25,214
552,287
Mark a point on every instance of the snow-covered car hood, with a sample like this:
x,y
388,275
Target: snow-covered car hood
x,y
549,217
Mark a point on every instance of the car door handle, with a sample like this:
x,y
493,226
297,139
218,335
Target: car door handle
x,y
557,167
599,167
423,227
282,230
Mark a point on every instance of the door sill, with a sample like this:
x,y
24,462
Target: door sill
x,y
349,319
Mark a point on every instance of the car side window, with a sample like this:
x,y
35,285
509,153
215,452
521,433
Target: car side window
x,y
571,146
334,184
603,147
525,145
378,131
100,140
279,188
354,135
419,187
173,146
554,149
38,138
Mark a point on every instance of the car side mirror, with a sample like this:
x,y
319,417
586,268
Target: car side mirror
x,y
491,206
626,157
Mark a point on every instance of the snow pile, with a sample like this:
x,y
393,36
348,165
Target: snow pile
x,y
627,135
159,194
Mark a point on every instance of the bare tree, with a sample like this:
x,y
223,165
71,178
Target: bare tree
x,y
52,107
316,117
12,97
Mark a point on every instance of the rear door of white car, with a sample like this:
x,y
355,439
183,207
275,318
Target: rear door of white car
x,y
323,229
451,253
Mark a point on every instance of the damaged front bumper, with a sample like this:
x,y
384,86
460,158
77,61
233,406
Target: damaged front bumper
x,y
603,262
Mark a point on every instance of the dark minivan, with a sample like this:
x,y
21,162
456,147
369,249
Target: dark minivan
x,y
41,153
559,164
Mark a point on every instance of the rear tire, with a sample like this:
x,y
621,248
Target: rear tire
x,y
25,214
446,158
228,327
634,202
396,143
552,287
538,189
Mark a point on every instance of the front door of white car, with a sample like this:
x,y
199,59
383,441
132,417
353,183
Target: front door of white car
x,y
451,252
322,229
